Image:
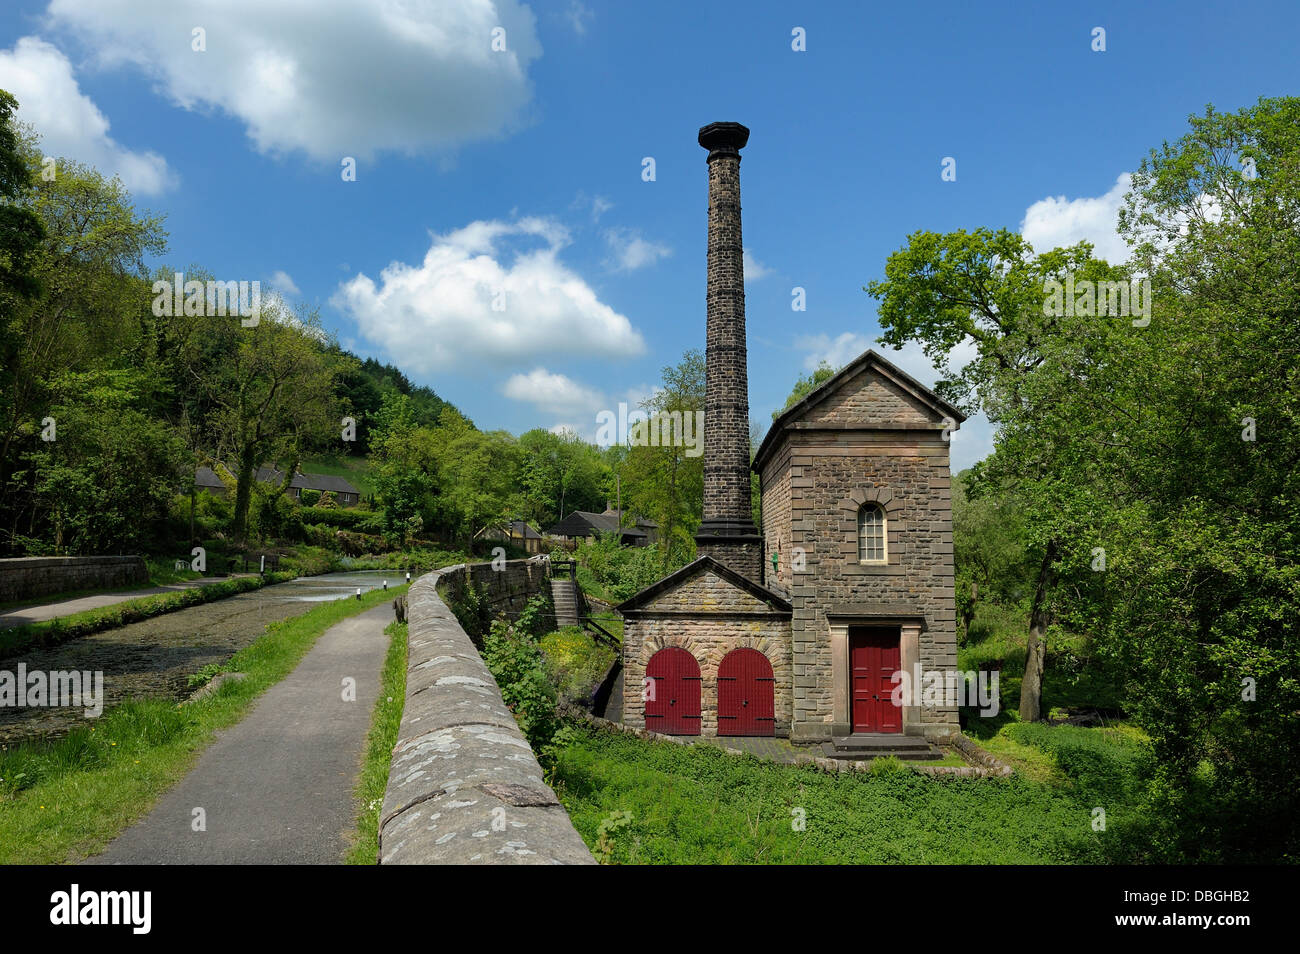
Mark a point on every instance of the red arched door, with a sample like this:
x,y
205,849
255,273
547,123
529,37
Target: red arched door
x,y
672,704
746,694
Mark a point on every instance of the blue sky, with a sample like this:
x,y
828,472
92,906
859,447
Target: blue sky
x,y
482,172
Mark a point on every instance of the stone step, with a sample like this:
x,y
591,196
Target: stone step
x,y
862,747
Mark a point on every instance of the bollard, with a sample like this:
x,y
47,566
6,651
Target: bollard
x,y
358,592
385,586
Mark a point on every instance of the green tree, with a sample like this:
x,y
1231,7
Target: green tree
x,y
988,288
270,390
666,483
805,386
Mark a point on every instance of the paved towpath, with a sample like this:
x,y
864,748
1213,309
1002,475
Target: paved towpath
x,y
46,611
278,787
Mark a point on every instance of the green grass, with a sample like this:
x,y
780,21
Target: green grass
x,y
384,724
698,805
61,629
65,800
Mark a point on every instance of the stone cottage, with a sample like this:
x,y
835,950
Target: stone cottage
x,y
798,630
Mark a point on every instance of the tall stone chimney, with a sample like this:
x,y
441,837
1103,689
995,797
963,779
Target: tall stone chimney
x,y
727,532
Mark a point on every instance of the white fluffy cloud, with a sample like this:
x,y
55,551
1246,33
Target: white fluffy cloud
x,y
555,393
332,78
475,299
754,269
629,251
283,282
577,405
1058,221
69,123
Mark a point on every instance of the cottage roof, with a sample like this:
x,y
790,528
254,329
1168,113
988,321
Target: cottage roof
x,y
206,477
581,523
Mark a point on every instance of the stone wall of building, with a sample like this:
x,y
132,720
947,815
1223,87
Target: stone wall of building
x,y
708,617
832,474
775,481
30,577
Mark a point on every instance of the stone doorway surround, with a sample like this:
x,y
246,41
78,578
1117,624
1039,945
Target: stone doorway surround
x,y
909,643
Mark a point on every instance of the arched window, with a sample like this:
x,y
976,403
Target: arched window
x,y
871,534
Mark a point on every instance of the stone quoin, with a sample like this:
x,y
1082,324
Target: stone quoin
x,y
798,629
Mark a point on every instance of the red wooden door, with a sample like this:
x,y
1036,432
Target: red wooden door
x,y
672,705
873,660
746,694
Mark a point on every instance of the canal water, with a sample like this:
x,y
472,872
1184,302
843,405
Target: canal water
x,y
155,657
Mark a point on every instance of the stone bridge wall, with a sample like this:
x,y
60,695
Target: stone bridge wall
x,y
507,591
464,787
29,577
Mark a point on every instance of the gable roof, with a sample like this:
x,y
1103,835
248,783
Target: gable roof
x,y
817,395
206,477
581,523
514,528
777,602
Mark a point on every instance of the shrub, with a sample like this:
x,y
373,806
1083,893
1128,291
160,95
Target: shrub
x,y
516,663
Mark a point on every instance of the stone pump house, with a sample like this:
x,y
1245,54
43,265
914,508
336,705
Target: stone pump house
x,y
798,629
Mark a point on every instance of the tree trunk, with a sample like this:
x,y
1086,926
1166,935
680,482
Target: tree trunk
x,y
243,494
1031,687
968,614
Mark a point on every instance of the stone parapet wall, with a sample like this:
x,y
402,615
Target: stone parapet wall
x,y
464,786
24,578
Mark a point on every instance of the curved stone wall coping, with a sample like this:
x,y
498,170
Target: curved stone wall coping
x,y
464,787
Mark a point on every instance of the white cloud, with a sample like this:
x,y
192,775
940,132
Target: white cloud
x,y
577,405
555,393
282,282
630,251
469,301
70,125
754,269
332,78
1057,221
836,352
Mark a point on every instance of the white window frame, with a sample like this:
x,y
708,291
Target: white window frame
x,y
884,534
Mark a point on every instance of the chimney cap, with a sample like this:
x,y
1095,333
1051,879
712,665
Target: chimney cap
x,y
723,137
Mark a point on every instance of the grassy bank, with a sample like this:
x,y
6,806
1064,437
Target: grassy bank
x,y
52,632
639,802
64,801
384,723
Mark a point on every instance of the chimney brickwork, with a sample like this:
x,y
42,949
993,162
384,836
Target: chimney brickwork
x,y
727,532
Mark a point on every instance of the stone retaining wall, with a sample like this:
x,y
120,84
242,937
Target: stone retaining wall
x,y
464,787
507,590
29,577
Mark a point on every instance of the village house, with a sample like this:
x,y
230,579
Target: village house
x,y
799,629
583,524
516,532
205,478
